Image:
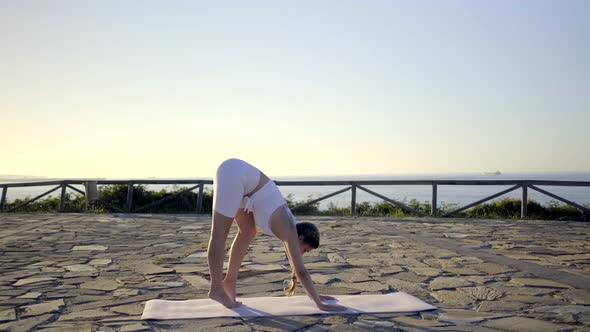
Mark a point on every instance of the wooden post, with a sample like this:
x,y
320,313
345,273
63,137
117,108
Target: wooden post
x,y
524,201
62,201
3,199
353,201
129,196
434,194
200,199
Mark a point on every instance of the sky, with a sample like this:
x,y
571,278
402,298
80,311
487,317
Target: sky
x,y
133,89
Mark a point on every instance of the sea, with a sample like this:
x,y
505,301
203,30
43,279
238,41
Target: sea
x,y
447,194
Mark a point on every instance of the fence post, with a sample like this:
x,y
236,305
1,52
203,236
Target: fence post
x,y
524,200
434,199
3,199
62,200
353,201
200,198
129,196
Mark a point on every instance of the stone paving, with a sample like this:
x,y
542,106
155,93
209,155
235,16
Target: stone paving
x,y
94,272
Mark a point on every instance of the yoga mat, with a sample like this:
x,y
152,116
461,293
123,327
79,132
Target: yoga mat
x,y
282,306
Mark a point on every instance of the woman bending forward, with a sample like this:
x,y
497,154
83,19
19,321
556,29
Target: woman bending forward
x,y
244,193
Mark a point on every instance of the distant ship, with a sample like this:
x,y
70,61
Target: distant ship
x,y
492,173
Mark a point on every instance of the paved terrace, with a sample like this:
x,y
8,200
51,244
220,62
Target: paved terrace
x,y
94,272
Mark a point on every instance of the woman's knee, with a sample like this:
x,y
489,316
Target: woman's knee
x,y
248,232
246,224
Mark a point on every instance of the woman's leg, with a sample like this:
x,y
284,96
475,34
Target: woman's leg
x,y
220,227
246,233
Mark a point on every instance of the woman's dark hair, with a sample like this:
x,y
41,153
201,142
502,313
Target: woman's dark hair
x,y
311,236
310,233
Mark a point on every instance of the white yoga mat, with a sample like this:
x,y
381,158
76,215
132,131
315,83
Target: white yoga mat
x,y
282,306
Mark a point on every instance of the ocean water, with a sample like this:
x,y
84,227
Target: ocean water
x,y
447,194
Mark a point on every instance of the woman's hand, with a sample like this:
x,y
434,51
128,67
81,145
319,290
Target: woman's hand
x,y
331,307
326,298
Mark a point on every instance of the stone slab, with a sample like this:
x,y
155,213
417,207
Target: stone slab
x,y
449,283
7,315
465,317
533,282
522,324
42,308
101,284
33,280
90,248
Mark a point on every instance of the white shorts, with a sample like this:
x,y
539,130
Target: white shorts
x,y
233,180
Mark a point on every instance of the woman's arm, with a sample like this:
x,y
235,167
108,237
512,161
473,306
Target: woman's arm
x,y
294,254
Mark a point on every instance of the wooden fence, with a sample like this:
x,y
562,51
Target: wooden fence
x,y
353,186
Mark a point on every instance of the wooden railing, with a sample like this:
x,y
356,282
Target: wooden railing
x,y
523,185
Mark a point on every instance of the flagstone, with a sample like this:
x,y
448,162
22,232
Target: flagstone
x,y
124,292
64,327
577,257
42,308
26,324
406,257
128,309
198,254
481,293
575,296
362,262
265,267
7,315
449,283
30,295
149,269
353,275
426,271
366,286
134,328
11,291
336,258
189,268
407,287
101,284
90,248
463,271
160,285
322,278
80,268
411,276
501,306
33,280
418,322
522,324
562,309
465,317
452,298
529,299
100,262
538,283
87,314
493,268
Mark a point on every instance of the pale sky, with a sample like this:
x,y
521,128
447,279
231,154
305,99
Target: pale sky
x,y
172,88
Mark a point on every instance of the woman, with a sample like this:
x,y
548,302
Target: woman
x,y
244,193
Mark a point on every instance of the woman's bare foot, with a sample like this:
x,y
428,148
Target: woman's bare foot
x,y
230,289
220,296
